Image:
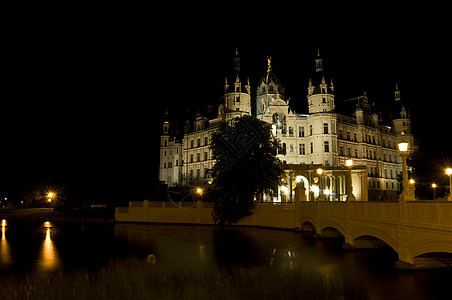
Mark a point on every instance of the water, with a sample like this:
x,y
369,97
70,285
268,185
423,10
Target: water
x,y
36,249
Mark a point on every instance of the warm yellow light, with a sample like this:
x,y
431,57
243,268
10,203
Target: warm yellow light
x,y
298,178
319,171
403,146
412,181
349,162
50,195
49,200
199,191
3,222
327,192
284,189
434,185
449,171
274,129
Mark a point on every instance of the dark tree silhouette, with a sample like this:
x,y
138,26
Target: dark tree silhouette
x,y
246,166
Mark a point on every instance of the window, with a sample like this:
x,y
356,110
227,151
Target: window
x,y
302,149
177,162
323,98
312,147
348,135
191,143
164,153
291,148
191,158
310,129
165,143
325,128
206,172
198,173
341,150
340,133
356,152
327,146
327,162
191,174
237,99
301,131
290,130
284,148
206,141
205,155
373,139
198,156
349,152
354,137
199,142
164,165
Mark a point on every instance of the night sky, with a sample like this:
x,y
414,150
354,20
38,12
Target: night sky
x,y
84,93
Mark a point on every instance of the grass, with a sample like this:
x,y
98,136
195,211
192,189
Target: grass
x,y
137,279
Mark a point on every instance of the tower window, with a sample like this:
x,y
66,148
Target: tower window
x,y
312,147
327,146
237,99
300,131
325,128
310,129
302,149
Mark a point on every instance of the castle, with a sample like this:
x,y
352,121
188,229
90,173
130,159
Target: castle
x,y
322,137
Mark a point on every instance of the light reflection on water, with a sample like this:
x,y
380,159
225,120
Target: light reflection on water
x,y
5,252
49,259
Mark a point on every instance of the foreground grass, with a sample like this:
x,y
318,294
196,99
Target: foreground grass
x,y
137,279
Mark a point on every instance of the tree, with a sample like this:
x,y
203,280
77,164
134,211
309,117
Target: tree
x,y
245,168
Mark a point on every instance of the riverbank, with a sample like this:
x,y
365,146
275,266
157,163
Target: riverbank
x,y
96,216
123,278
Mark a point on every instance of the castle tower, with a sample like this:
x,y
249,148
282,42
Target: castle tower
x,y
400,115
269,91
320,92
237,91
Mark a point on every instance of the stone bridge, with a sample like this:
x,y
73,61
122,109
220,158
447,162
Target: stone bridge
x,y
419,231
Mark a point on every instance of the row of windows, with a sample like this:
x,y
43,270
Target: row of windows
x,y
302,148
198,174
367,138
198,157
301,132
376,185
198,142
370,154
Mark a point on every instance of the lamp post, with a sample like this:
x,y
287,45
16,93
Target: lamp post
x,y
408,188
350,196
434,186
449,172
320,172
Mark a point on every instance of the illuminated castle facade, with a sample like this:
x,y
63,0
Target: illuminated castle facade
x,y
320,137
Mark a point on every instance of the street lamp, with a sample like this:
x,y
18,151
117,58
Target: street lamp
x,y
449,172
408,189
320,172
350,196
50,195
434,186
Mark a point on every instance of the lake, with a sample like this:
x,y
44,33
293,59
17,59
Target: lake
x,y
42,248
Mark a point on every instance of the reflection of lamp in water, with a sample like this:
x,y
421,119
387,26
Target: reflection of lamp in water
x,y
5,253
320,172
49,258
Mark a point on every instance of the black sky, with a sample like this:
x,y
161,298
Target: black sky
x,y
84,89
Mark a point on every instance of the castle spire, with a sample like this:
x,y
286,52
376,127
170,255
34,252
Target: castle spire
x,y
318,63
236,60
397,93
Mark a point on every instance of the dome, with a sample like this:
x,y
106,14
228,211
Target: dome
x,y
273,83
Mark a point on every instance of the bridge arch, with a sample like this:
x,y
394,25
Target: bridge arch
x,y
430,246
331,224
372,232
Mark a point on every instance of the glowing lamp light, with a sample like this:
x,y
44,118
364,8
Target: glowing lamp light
x,y
199,191
320,171
274,129
434,185
327,192
412,181
315,189
449,171
50,195
349,162
284,189
403,146
298,178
